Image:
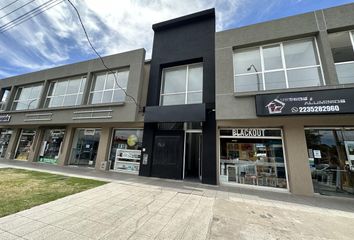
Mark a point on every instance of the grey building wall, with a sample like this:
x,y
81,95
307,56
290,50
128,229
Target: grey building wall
x,y
314,24
111,112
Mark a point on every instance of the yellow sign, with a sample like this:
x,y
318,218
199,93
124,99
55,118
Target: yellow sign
x,y
132,140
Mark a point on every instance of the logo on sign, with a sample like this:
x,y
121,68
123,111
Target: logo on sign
x,y
275,106
5,118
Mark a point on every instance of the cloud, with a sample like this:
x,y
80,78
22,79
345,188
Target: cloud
x,y
56,38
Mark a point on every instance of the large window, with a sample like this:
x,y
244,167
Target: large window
x,y
182,85
66,92
27,97
342,45
291,64
126,150
252,156
105,88
331,160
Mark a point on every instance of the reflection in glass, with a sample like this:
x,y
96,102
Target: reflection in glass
x,y
331,160
305,77
272,57
345,72
243,59
300,53
249,83
274,80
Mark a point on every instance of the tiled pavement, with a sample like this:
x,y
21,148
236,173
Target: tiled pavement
x,y
131,207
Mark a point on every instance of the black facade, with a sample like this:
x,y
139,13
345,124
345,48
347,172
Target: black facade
x,y
186,40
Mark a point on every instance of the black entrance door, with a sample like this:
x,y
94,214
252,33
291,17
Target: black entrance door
x,y
168,154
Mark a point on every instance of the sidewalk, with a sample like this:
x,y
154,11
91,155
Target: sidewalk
x,y
133,207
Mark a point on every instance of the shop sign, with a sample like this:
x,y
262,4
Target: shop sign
x,y
248,132
5,118
89,132
306,103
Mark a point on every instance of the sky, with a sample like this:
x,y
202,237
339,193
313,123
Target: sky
x,y
55,37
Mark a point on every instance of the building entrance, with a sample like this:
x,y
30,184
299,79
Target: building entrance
x,y
193,155
24,144
85,146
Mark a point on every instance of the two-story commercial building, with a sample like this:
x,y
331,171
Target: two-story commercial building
x,y
268,106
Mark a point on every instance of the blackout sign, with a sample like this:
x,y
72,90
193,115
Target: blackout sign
x,y
306,103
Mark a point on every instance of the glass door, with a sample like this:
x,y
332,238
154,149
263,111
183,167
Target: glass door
x,y
192,164
5,136
24,144
51,146
331,160
85,146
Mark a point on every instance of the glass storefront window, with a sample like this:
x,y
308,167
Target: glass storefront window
x,y
85,146
5,135
331,160
253,157
24,144
51,145
126,150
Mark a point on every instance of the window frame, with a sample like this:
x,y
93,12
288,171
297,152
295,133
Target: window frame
x,y
186,92
284,68
66,90
31,100
107,73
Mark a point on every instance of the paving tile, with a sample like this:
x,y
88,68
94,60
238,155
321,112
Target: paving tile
x,y
27,228
17,222
43,233
8,236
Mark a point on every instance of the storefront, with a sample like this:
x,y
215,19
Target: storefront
x,y
252,156
331,160
85,146
5,135
24,144
125,150
51,146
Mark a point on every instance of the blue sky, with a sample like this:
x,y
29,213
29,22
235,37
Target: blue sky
x,y
55,38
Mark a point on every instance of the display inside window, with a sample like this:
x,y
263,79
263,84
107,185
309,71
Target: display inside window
x,y
27,97
252,161
51,146
109,87
5,135
66,92
342,45
126,150
25,142
283,65
331,160
182,85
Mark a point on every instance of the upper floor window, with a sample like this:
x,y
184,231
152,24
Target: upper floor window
x,y
291,64
4,98
105,89
66,92
342,45
182,85
27,97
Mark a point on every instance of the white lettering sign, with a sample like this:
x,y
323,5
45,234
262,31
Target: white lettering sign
x,y
248,132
